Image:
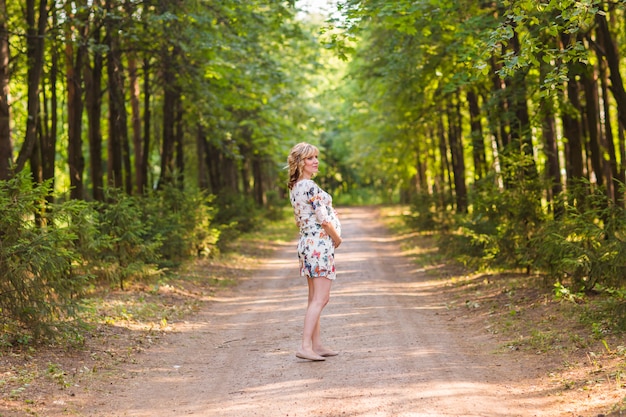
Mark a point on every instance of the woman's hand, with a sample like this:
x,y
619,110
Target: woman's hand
x,y
332,233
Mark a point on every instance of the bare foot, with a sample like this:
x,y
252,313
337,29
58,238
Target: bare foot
x,y
312,356
326,352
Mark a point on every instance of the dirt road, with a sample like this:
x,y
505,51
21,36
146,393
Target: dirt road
x,y
401,353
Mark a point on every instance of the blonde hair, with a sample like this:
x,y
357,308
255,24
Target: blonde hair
x,y
295,161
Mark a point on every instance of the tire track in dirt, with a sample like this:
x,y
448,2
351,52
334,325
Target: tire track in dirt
x,y
400,354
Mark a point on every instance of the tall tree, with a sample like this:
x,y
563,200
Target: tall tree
x,y
93,74
118,129
75,54
50,117
36,20
6,142
612,58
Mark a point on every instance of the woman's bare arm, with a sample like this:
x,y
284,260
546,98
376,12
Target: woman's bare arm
x,y
332,232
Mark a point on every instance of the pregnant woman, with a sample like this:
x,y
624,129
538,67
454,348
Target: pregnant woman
x,y
320,234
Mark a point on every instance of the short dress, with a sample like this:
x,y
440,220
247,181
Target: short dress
x,y
313,206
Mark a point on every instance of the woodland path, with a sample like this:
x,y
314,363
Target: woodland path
x,y
402,352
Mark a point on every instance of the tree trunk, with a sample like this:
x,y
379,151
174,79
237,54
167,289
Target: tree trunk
x,y
520,127
180,149
49,143
231,177
618,174
622,148
608,135
133,80
612,58
35,34
572,126
257,174
93,98
170,102
456,151
592,110
212,159
127,166
118,133
478,143
500,108
74,61
35,155
6,142
445,161
203,172
572,131
169,139
142,176
420,165
244,173
551,149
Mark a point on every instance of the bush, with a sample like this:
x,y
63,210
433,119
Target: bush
x,y
182,221
236,213
127,249
39,281
50,253
275,206
585,246
425,213
503,223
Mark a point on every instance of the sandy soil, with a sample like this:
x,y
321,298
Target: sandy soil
x,y
403,352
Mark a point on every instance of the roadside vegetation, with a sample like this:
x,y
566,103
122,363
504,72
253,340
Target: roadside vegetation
x,y
573,342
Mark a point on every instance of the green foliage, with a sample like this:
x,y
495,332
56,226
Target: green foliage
x,y
505,216
51,253
563,293
274,208
181,221
126,251
605,312
39,283
425,213
585,245
236,213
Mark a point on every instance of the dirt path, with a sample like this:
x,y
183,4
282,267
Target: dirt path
x,y
402,354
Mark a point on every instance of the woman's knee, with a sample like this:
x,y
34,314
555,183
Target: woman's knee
x,y
322,299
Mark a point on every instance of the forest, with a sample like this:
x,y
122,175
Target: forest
x,y
137,134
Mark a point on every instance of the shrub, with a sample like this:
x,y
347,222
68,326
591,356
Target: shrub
x,y
425,213
182,221
236,213
275,206
586,244
127,249
500,228
39,283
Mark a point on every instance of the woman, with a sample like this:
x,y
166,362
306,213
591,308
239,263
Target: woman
x,y
320,234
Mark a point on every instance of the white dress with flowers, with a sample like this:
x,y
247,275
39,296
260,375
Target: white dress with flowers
x,y
312,207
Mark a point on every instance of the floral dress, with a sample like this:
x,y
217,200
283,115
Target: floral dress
x,y
312,207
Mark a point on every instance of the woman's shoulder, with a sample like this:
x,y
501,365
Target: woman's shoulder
x,y
305,183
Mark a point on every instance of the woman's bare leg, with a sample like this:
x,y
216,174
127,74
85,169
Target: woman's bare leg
x,y
318,346
319,294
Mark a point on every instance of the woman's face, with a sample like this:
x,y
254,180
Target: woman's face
x,y
311,165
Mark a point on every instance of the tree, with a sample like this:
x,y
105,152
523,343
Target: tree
x,y
36,19
6,143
